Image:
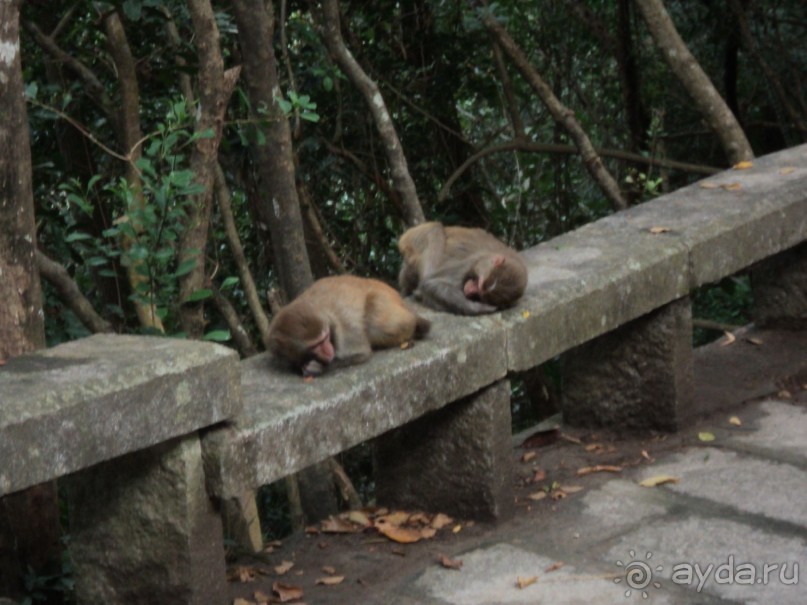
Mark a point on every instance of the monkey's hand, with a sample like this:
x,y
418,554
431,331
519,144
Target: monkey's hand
x,y
444,297
313,368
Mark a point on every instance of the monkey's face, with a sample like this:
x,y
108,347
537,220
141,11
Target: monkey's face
x,y
299,335
495,281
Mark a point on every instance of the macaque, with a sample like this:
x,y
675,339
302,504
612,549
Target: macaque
x,y
338,321
461,270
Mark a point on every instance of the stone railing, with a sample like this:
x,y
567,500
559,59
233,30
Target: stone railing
x,y
611,296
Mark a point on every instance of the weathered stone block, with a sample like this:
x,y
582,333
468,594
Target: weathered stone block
x,y
143,530
457,460
87,401
780,290
288,424
639,375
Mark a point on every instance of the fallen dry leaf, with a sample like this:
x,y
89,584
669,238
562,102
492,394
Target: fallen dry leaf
x,y
359,517
456,529
524,582
525,314
527,456
428,533
735,421
706,436
591,447
538,475
743,165
450,563
283,567
240,601
337,525
406,345
261,597
731,186
647,456
394,518
554,567
440,520
754,341
571,439
308,379
784,394
242,574
287,592
599,468
571,489
708,185
657,230
330,580
541,439
329,570
786,170
418,519
401,535
537,496
730,338
658,480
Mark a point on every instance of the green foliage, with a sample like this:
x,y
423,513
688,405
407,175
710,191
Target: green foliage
x,y
727,302
50,587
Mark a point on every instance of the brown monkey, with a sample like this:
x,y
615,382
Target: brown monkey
x,y
339,321
461,270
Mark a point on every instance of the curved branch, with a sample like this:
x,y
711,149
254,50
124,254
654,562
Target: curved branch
x,y
71,295
401,178
560,113
567,149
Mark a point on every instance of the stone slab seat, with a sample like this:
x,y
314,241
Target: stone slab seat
x,y
595,279
582,285
91,400
288,424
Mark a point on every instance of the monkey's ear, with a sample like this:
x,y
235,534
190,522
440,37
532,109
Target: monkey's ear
x,y
498,261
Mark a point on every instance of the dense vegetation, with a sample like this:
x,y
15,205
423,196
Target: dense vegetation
x,y
189,156
452,94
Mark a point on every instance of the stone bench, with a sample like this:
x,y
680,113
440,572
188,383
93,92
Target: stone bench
x,y
442,408
120,415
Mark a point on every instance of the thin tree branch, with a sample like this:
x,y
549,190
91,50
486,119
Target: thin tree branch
x,y
399,171
240,259
568,149
561,114
71,295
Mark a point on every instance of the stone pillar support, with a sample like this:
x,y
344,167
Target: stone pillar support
x,y
143,530
637,376
456,460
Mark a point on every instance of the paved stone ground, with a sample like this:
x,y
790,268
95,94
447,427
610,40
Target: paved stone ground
x,y
733,529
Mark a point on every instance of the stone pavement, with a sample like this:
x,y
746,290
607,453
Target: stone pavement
x,y
733,529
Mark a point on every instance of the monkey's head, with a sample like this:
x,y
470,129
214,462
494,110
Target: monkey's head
x,y
496,280
301,336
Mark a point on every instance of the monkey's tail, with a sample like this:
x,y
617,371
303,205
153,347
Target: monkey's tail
x,y
422,326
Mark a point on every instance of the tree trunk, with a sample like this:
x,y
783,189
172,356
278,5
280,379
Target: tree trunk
x,y
279,206
697,84
562,114
29,522
126,118
214,93
402,180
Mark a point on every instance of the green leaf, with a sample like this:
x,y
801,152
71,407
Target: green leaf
x,y
96,261
200,295
217,335
77,236
229,282
185,267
